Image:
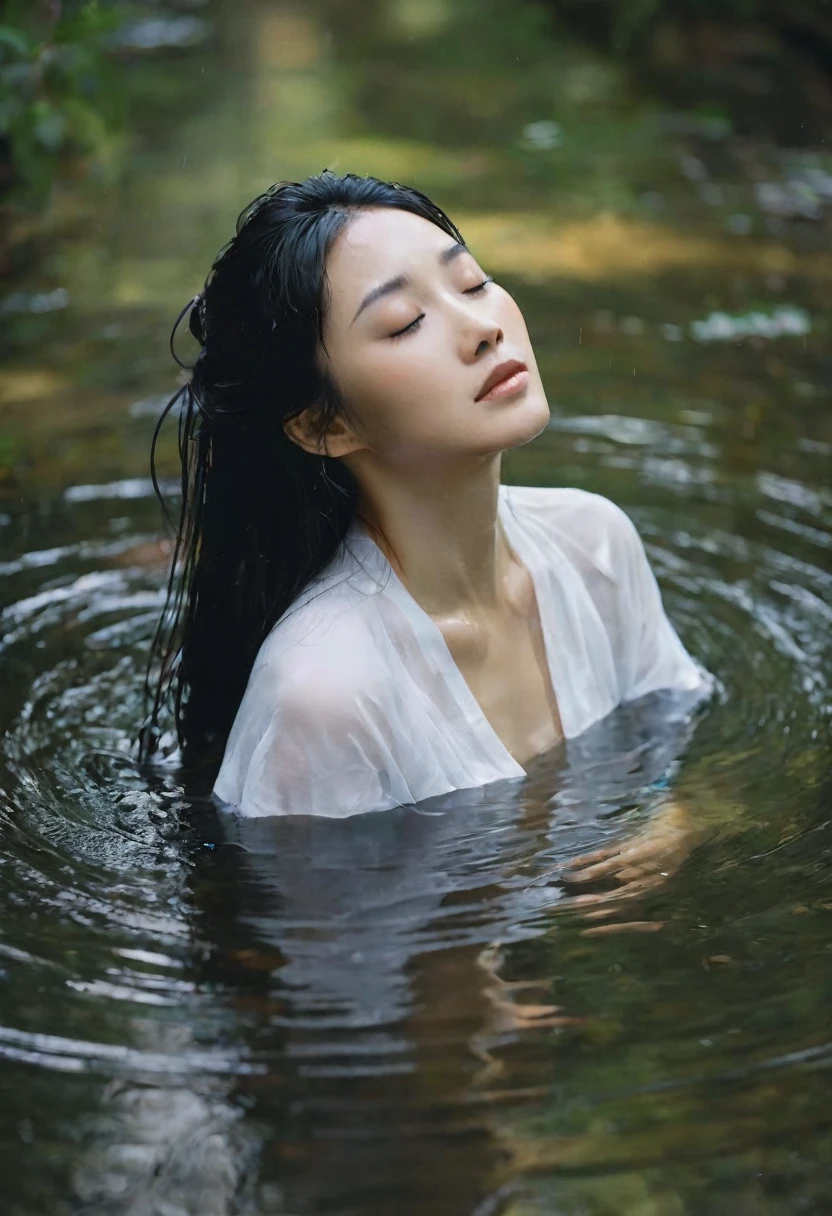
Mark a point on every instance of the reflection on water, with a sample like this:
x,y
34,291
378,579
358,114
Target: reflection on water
x,y
410,1012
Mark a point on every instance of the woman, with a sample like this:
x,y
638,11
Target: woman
x,y
360,613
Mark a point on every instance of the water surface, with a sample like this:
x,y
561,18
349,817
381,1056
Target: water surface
x,y
204,1016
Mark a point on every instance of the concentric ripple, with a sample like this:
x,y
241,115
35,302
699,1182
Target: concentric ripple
x,y
409,1011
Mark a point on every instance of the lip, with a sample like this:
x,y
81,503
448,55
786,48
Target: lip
x,y
501,373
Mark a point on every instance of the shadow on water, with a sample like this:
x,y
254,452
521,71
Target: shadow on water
x,y
409,1011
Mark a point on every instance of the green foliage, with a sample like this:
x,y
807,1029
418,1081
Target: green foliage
x,y
57,91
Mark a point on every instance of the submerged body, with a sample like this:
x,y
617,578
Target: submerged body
x,y
357,703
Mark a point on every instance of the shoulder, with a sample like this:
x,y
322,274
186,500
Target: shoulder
x,y
332,616
569,505
586,524
322,659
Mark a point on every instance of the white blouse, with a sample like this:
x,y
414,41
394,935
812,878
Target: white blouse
x,y
355,703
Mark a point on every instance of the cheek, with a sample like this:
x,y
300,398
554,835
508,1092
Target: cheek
x,y
397,389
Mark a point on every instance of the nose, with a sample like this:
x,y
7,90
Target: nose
x,y
493,340
485,334
477,331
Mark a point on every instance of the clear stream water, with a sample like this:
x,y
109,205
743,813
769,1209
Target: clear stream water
x,y
210,1017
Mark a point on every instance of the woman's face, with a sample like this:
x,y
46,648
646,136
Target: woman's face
x,y
412,331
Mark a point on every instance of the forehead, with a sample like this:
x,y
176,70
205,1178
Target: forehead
x,y
378,243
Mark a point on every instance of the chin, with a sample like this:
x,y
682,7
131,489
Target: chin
x,y
524,422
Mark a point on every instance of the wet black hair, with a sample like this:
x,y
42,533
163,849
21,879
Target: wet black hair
x,y
259,516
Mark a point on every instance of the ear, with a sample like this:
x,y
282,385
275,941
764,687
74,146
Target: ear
x,y
339,440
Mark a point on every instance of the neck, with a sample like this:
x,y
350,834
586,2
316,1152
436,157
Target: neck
x,y
440,531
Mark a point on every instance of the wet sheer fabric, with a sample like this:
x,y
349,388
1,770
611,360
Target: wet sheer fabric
x,y
355,703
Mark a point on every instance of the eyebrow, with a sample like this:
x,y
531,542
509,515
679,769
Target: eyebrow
x,y
402,280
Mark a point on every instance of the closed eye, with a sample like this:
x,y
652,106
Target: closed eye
x,y
414,325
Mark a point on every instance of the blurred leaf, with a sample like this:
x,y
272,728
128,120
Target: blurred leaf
x,y
15,40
